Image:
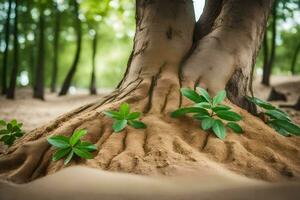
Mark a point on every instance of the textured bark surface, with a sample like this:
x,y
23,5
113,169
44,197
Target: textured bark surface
x,y
165,57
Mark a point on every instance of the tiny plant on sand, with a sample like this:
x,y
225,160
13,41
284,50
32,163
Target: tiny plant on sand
x,y
210,111
124,117
9,131
276,118
68,146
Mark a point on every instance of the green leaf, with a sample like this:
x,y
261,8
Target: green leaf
x,y
287,125
204,93
9,127
183,111
86,146
207,123
261,103
76,136
82,153
219,129
8,139
280,130
200,116
275,114
203,105
119,125
124,109
61,153
113,114
13,122
59,141
137,124
228,115
220,107
191,95
2,123
219,97
235,127
18,134
3,132
69,157
133,115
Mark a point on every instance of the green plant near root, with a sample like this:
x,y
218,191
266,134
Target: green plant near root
x,y
124,117
68,147
10,131
212,114
276,118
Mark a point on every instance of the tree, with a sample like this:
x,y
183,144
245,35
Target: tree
x,y
69,77
171,51
14,72
5,54
269,61
38,91
294,59
93,88
55,48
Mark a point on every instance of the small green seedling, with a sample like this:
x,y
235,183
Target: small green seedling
x,y
9,131
210,111
124,117
68,146
276,118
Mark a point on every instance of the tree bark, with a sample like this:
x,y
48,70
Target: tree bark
x,y
69,77
93,87
13,78
294,59
55,49
39,77
267,70
167,56
5,54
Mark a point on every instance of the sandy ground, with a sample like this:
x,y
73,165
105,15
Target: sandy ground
x,y
94,184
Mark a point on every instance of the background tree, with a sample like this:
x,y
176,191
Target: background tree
x,y
77,24
14,71
5,54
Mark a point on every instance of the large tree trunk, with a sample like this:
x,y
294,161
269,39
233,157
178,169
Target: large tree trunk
x,y
14,72
38,91
55,48
5,54
93,88
171,52
294,59
71,73
267,69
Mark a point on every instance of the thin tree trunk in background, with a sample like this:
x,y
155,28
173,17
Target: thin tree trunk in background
x,y
70,75
265,50
55,48
267,71
93,88
39,77
13,78
5,54
294,59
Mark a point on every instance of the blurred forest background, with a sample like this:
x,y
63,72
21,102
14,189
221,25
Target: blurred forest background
x,y
66,45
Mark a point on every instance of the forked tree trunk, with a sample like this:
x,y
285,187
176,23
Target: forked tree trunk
x,y
267,69
67,82
14,72
170,51
93,88
5,54
38,91
55,48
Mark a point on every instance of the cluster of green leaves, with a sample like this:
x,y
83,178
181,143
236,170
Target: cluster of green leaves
x,y
10,131
124,117
68,146
210,111
277,119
